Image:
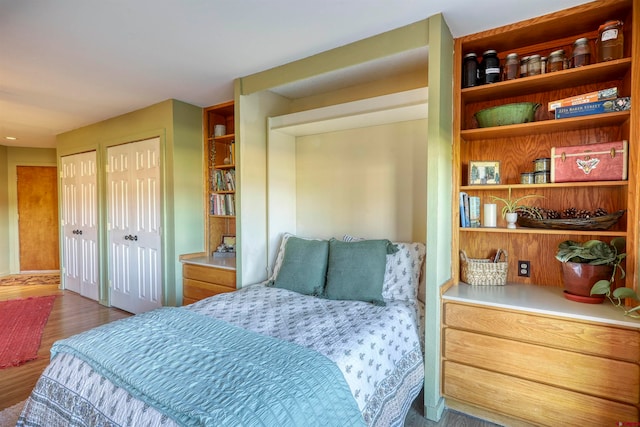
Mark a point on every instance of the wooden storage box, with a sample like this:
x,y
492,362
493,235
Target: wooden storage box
x,y
607,161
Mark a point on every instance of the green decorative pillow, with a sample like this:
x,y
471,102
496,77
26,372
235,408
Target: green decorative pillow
x,y
356,270
304,266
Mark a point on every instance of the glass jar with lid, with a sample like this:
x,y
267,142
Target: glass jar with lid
x,y
581,54
523,66
533,65
511,67
470,70
556,61
491,66
610,41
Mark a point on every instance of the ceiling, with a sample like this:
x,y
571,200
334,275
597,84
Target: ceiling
x,y
69,63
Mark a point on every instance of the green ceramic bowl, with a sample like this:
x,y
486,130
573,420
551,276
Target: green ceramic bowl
x,y
508,114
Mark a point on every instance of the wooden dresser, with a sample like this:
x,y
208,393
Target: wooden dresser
x,y
523,355
204,276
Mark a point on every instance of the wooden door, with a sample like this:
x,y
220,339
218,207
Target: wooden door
x,y
134,225
79,224
37,193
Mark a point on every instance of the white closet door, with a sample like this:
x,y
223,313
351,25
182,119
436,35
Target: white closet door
x,y
133,225
79,224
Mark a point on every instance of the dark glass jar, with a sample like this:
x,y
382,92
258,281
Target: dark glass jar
x,y
511,67
610,41
491,66
470,70
581,54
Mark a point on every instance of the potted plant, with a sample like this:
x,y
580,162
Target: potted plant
x,y
590,263
617,296
513,206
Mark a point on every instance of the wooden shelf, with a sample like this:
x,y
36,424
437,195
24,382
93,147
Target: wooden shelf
x,y
545,186
229,138
595,73
547,126
545,231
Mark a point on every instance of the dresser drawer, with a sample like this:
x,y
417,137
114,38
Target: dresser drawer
x,y
203,273
599,340
599,376
195,289
531,401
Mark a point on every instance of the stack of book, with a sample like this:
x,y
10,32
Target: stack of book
x,y
597,102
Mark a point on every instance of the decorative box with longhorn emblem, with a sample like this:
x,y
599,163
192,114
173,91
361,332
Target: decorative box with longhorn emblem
x,y
605,161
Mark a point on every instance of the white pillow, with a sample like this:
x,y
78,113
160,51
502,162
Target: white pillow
x,y
403,272
280,256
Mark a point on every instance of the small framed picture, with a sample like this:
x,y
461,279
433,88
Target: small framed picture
x,y
484,172
229,241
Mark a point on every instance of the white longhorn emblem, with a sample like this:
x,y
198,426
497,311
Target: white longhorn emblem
x,y
588,164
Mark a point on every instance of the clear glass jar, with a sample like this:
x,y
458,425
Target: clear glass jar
x,y
511,67
523,66
543,64
533,66
610,41
491,66
470,70
556,61
581,54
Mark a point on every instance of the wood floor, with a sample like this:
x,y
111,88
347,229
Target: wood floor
x,y
71,314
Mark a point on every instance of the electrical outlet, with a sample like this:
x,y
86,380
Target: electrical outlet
x,y
524,268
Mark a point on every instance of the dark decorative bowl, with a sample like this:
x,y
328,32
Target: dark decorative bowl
x,y
594,223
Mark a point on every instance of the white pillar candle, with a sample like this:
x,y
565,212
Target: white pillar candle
x,y
490,215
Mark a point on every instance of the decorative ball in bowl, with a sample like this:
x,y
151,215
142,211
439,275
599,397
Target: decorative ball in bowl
x,y
508,114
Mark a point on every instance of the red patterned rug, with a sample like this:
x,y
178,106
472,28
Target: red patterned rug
x,y
21,324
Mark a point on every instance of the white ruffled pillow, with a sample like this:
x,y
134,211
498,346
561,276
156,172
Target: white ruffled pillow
x,y
403,271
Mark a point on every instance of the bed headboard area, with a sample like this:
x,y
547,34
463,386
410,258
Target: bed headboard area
x,y
325,181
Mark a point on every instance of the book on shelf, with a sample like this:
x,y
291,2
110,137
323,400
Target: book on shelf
x,y
598,95
597,107
464,210
474,211
222,204
223,180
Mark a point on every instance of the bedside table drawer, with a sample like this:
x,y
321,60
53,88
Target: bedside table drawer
x,y
218,276
599,340
582,373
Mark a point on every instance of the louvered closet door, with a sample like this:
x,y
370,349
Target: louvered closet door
x,y
134,226
79,224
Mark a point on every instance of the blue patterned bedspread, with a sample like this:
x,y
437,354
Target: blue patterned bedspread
x,y
213,373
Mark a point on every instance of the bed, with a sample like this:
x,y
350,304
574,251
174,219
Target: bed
x,y
316,344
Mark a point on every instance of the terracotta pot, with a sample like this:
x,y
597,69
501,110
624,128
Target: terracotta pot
x,y
579,278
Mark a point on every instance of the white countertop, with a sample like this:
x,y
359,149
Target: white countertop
x,y
539,299
209,261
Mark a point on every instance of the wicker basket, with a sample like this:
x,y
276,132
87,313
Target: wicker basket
x,y
484,272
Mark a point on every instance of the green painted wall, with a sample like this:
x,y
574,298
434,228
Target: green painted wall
x,y
179,126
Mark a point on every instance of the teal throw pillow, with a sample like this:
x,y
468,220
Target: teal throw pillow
x,y
304,266
356,270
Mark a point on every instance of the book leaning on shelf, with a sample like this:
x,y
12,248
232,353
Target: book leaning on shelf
x,y
598,107
598,95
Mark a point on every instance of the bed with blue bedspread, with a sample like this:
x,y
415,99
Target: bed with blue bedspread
x,y
264,355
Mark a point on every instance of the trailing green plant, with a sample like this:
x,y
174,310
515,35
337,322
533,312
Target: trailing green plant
x,y
597,252
515,205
